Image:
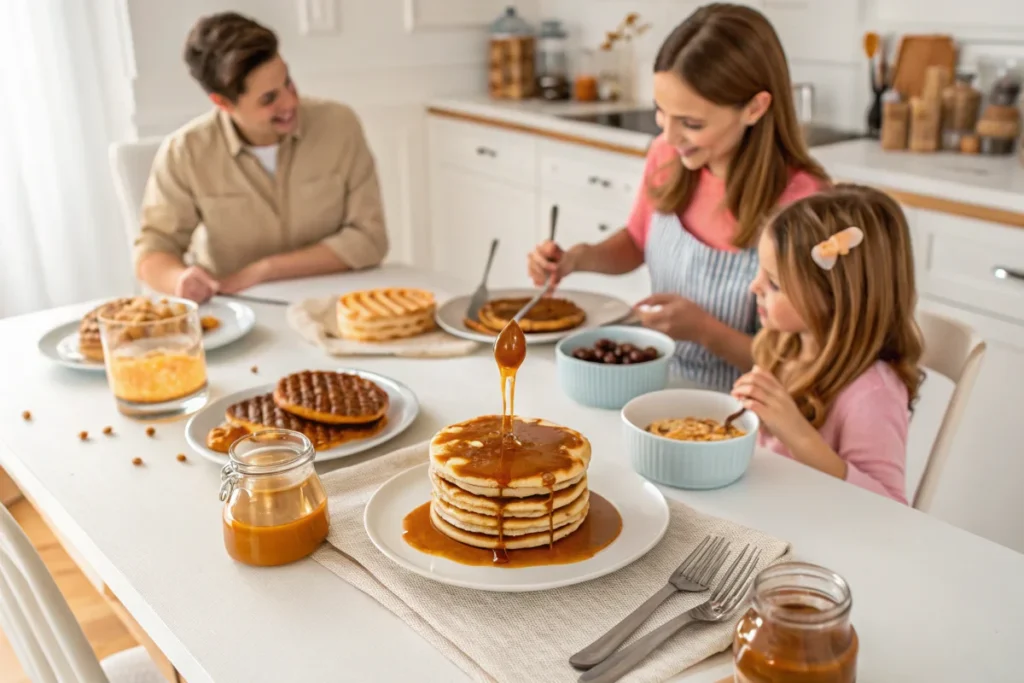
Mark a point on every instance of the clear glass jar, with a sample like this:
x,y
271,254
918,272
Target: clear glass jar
x,y
798,628
552,62
275,507
153,352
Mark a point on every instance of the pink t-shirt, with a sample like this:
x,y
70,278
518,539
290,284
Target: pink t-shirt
x,y
706,217
867,427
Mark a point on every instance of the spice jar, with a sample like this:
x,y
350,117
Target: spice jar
x,y
960,104
895,121
275,507
797,628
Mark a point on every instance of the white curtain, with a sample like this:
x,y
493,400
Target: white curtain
x,y
61,237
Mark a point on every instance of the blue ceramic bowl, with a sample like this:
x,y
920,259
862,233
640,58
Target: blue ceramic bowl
x,y
687,464
612,386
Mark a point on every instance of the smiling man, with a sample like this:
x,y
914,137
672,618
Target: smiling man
x,y
266,186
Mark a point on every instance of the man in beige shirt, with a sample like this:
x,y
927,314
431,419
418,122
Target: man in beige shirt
x,y
266,186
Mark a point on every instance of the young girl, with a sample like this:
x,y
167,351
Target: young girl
x,y
836,361
731,151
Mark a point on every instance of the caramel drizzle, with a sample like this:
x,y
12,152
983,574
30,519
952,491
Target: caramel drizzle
x,y
509,354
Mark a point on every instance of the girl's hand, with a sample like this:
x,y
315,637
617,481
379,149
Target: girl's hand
x,y
760,392
548,260
673,315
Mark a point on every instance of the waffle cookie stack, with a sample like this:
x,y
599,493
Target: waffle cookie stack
x,y
386,313
330,408
550,314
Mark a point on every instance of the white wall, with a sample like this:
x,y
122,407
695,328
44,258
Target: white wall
x,y
371,60
822,38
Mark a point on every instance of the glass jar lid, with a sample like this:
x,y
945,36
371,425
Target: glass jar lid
x,y
264,453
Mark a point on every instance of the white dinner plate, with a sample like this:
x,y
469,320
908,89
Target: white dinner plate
x,y
403,409
236,320
601,309
644,521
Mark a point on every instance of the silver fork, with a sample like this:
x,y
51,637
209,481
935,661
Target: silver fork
x,y
724,601
694,575
480,296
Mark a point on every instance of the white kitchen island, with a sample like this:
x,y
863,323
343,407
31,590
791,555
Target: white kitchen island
x,y
931,602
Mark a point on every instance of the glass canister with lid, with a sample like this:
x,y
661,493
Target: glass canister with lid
x,y
797,629
552,62
512,62
275,506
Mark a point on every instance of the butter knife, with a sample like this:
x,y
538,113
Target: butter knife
x,y
533,302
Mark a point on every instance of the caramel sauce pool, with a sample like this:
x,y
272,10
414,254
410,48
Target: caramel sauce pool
x,y
602,526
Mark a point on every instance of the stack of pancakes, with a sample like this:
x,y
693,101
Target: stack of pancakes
x,y
330,408
508,493
387,313
550,314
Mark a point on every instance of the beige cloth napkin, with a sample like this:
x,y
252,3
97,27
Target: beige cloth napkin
x,y
527,636
315,321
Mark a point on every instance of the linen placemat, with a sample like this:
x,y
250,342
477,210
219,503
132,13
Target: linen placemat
x,y
316,322
503,637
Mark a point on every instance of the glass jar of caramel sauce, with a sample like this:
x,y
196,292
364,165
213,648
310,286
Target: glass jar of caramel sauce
x,y
797,629
275,507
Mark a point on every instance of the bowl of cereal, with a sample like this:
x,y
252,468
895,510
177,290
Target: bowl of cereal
x,y
608,366
677,437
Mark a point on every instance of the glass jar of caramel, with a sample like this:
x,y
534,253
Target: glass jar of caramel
x,y
797,629
275,507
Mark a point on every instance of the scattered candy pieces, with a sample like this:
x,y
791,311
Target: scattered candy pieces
x,y
150,431
26,415
83,435
254,369
136,461
181,457
108,430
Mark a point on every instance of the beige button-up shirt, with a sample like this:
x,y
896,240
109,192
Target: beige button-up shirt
x,y
210,202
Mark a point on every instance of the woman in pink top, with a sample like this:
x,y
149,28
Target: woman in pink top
x,y
837,357
731,151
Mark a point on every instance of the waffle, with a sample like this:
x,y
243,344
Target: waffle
x,y
331,397
550,314
260,412
89,344
386,313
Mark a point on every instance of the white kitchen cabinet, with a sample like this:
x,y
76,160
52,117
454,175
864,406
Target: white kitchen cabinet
x,y
468,210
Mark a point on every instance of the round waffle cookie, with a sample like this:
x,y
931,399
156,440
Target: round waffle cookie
x,y
331,397
261,412
551,314
385,313
89,344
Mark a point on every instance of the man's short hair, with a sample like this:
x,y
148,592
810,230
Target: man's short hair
x,y
223,49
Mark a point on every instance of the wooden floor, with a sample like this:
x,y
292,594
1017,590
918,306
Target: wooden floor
x,y
102,627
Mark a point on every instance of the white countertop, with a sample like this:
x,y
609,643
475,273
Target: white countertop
x,y
931,602
988,181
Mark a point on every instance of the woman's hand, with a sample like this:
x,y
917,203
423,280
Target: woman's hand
x,y
673,315
548,260
760,392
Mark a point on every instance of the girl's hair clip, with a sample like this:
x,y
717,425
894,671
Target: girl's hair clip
x,y
826,253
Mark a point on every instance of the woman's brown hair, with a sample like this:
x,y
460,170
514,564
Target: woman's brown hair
x,y
859,312
728,54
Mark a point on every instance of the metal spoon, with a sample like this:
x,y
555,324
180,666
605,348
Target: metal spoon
x,y
732,418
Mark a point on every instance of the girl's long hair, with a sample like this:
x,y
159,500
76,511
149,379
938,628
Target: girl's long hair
x,y
859,312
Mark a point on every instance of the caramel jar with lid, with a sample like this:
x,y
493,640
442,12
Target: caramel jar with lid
x,y
275,507
797,629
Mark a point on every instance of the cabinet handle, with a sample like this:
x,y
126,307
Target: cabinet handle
x,y
603,227
486,152
594,180
1004,273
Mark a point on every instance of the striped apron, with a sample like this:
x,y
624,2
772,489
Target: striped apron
x,y
717,281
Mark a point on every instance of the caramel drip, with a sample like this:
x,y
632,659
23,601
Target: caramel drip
x,y
509,354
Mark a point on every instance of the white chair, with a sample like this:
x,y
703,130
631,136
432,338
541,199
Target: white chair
x,y
44,634
130,163
951,349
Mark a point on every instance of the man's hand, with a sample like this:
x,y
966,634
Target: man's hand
x,y
196,284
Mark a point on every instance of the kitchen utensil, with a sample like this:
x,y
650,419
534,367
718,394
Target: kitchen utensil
x,y
731,592
916,53
694,575
871,45
253,299
533,302
732,418
481,296
554,221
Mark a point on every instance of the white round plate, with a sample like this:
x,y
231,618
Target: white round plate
x,y
644,521
236,320
404,407
601,310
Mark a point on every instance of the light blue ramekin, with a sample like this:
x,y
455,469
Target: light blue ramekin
x,y
687,464
612,386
